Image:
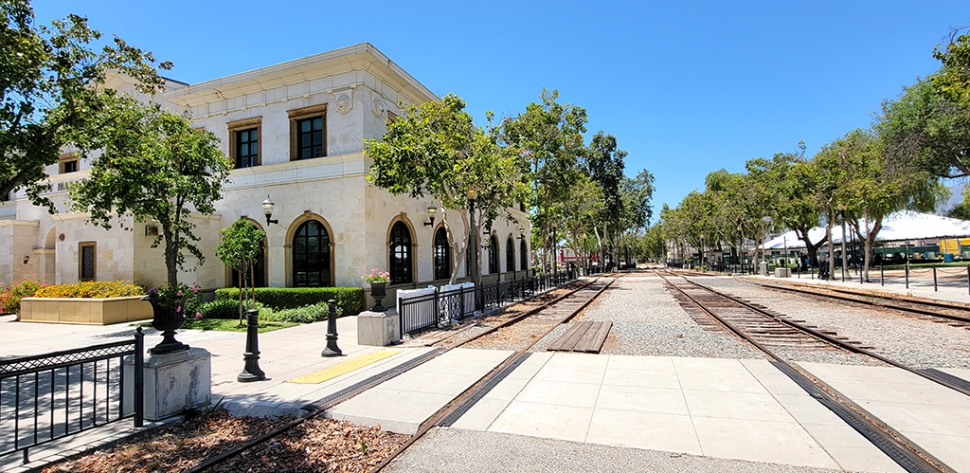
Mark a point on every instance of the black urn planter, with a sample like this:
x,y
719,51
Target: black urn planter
x,y
167,319
378,291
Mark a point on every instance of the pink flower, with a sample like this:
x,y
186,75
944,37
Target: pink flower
x,y
179,293
178,309
198,315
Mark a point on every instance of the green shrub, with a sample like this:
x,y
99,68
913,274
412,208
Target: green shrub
x,y
229,309
350,300
91,290
302,315
10,296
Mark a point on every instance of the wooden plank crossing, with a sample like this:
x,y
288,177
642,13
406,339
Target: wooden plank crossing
x,y
586,337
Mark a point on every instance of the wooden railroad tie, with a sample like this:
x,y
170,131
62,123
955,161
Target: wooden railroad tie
x,y
586,337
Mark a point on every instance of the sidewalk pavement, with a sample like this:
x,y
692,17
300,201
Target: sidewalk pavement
x,y
735,409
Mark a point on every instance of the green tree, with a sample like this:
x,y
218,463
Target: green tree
x,y
549,136
865,189
435,149
153,165
603,163
954,77
924,129
241,244
49,77
790,187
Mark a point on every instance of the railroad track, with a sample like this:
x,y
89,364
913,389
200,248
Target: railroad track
x,y
560,308
905,452
942,312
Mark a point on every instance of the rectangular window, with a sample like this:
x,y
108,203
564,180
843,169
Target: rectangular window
x,y
308,132
68,163
87,261
310,141
247,148
244,138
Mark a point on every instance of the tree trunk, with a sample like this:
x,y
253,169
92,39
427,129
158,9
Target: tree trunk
x,y
171,261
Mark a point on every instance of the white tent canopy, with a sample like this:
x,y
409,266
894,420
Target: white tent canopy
x,y
899,226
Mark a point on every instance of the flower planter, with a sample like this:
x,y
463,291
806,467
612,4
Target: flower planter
x,y
378,290
167,319
107,311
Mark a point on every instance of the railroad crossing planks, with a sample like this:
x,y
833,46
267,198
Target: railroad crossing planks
x,y
587,337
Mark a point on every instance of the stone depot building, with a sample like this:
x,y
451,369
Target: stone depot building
x,y
294,132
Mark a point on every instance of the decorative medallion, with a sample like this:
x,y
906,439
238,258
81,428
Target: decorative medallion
x,y
377,106
344,103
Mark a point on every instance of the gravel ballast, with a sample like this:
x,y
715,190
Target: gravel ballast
x,y
918,343
648,321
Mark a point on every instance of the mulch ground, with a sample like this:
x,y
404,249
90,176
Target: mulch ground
x,y
316,445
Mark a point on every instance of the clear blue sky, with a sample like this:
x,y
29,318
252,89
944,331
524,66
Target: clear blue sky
x,y
687,87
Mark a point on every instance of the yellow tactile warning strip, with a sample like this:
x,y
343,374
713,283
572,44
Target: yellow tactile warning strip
x,y
343,368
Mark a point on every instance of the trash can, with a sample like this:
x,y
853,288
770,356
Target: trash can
x,y
948,257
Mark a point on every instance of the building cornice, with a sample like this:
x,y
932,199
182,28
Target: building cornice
x,y
360,57
19,223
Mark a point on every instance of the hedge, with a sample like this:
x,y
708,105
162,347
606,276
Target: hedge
x,y
349,299
91,289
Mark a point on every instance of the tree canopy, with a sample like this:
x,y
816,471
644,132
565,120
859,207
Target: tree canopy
x,y
153,165
49,81
435,149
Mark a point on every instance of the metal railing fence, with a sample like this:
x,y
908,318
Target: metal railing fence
x,y
426,310
59,394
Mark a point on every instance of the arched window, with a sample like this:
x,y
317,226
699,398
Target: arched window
x,y
523,255
442,255
493,255
400,254
311,255
509,255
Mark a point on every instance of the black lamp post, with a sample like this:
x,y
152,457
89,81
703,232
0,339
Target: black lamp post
x,y
268,207
476,275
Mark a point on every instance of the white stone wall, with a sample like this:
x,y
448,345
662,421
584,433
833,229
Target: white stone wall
x,y
332,188
18,238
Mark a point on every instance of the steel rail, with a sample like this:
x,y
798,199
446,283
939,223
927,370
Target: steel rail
x,y
889,305
902,450
841,344
318,408
485,380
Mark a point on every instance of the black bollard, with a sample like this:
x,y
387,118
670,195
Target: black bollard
x,y
332,348
251,371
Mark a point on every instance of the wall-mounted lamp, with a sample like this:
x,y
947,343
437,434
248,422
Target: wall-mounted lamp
x,y
26,259
268,207
521,234
431,211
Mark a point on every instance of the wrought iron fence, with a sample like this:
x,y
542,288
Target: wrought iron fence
x,y
59,394
426,310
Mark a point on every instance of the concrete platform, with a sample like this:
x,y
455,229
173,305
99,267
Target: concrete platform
x,y
403,403
732,409
933,416
718,408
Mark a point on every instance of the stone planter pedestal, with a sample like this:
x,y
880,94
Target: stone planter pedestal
x,y
173,382
378,328
782,272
